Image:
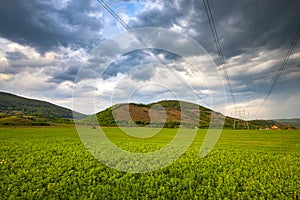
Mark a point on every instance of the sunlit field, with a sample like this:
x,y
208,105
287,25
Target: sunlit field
x,y
53,163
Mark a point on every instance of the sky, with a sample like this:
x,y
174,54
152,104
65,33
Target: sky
x,y
74,53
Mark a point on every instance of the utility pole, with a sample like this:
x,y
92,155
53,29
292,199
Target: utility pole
x,y
238,116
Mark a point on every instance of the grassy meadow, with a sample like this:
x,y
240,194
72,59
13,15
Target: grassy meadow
x,y
52,163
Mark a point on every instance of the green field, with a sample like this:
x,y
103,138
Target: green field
x,y
52,163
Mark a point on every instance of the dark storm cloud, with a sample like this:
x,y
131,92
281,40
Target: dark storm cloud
x,y
156,18
128,62
68,74
239,27
16,60
165,17
16,55
139,59
41,25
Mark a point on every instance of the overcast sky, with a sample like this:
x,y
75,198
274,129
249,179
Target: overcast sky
x,y
48,47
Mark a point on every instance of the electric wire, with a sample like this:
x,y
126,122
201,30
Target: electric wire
x,y
219,48
255,25
282,67
140,40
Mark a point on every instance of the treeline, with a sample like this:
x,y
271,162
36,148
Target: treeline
x,y
23,120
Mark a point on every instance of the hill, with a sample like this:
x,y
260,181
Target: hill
x,y
16,110
20,111
293,123
168,114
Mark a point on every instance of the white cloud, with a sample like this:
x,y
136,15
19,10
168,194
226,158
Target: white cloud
x,y
4,77
29,83
29,75
60,4
154,5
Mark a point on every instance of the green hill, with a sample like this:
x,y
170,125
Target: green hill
x,y
168,114
16,110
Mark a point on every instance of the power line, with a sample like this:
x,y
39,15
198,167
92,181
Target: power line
x,y
255,24
282,67
219,49
141,41
254,51
116,16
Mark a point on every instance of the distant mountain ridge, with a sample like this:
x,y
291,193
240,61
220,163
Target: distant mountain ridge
x,y
16,110
294,122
